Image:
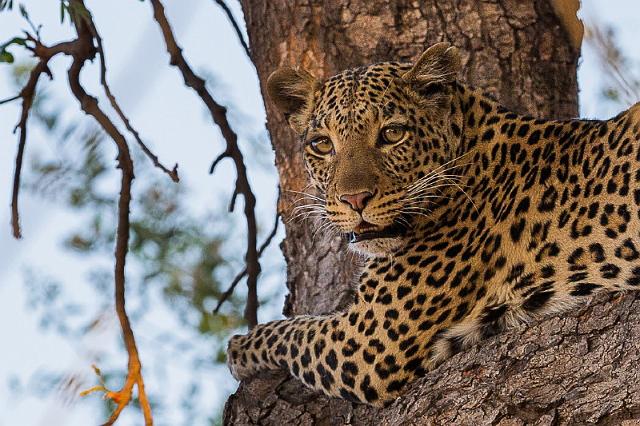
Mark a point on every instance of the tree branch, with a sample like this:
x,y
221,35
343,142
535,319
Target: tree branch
x,y
89,105
235,26
173,173
218,159
553,372
219,116
11,99
27,94
229,291
82,49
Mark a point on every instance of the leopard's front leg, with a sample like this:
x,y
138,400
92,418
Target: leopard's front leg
x,y
348,355
267,347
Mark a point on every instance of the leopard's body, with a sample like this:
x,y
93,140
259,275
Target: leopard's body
x,y
513,218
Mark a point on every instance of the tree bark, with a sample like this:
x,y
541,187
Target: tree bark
x,y
524,55
577,368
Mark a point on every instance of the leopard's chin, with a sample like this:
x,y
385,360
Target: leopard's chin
x,y
376,240
377,246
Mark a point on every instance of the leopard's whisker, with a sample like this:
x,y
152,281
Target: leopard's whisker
x,y
403,221
433,175
427,191
438,169
307,206
433,181
306,213
306,194
326,225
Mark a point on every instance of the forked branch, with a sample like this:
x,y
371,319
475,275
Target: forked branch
x,y
232,150
27,94
89,105
229,291
80,50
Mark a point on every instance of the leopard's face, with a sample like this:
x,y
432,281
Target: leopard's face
x,y
376,141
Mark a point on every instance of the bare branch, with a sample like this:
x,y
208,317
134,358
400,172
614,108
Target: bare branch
x,y
89,105
219,116
235,25
82,49
218,159
44,54
234,197
229,291
27,94
173,173
6,101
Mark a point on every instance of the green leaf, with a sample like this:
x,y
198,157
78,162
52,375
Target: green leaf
x,y
6,57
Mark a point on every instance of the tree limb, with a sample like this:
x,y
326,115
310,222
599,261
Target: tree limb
x,y
44,54
242,186
554,372
82,49
173,173
89,105
235,26
229,291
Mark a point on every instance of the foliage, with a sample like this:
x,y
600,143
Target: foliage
x,y
5,55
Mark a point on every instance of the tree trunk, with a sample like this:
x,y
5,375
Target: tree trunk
x,y
525,54
518,51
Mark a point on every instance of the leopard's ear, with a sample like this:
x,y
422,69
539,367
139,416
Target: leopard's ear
x,y
292,91
439,64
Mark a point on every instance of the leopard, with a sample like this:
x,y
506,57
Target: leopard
x,y
472,219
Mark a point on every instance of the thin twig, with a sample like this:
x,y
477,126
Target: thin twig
x,y
612,61
27,94
6,101
218,159
242,186
173,173
44,54
229,291
235,26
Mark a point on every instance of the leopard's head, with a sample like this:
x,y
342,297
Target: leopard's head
x,y
376,140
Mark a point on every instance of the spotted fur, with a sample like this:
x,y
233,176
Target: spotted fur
x,y
509,218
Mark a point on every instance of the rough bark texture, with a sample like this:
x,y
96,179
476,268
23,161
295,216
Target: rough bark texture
x,y
576,369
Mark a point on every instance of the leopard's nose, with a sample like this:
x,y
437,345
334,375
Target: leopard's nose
x,y
357,201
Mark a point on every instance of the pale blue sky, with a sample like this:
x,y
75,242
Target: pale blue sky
x,y
171,118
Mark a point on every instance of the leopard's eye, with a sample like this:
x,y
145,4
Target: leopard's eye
x,y
393,134
320,146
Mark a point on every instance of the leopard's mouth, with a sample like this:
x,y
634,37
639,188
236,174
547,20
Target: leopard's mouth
x,y
367,231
